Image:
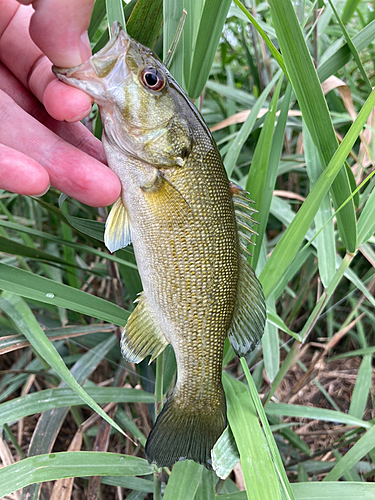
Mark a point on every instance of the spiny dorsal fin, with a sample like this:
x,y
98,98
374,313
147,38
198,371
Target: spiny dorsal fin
x,y
243,211
142,335
249,315
117,227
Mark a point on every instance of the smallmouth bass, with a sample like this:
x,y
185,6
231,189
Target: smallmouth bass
x,y
190,228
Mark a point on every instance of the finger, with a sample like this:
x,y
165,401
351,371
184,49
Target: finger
x,y
74,133
60,30
70,170
26,61
21,174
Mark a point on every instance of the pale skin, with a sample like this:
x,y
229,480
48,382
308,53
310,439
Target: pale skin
x,y
42,143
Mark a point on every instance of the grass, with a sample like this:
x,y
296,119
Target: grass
x,y
300,407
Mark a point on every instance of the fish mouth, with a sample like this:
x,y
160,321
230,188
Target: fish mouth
x,y
94,76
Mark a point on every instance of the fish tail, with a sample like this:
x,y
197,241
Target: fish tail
x,y
184,432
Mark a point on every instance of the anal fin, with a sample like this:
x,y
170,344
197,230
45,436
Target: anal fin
x,y
249,315
117,227
142,336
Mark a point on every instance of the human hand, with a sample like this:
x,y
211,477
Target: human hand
x,y
36,148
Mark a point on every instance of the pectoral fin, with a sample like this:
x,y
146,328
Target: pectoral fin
x,y
164,199
249,316
117,227
142,335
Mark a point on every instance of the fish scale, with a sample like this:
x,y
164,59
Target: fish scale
x,y
189,227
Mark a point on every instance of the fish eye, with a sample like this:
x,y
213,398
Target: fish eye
x,y
152,79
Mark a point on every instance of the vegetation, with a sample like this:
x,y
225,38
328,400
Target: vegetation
x,y
287,88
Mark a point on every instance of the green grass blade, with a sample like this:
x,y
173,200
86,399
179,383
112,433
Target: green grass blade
x,y
20,313
184,481
352,48
204,45
256,180
289,410
236,145
69,464
115,12
306,85
333,491
40,401
325,241
206,489
13,342
361,388
276,54
366,221
283,479
343,55
270,343
273,163
172,13
145,21
287,247
15,248
365,444
36,287
130,483
71,244
350,6
97,17
257,467
225,454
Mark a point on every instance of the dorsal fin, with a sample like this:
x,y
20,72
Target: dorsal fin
x,y
243,211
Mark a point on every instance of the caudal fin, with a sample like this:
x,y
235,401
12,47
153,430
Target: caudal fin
x,y
179,434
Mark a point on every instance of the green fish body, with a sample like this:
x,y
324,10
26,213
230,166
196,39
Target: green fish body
x,y
190,228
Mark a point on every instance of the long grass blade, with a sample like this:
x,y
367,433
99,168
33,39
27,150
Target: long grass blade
x,y
287,248
258,469
69,464
307,88
17,309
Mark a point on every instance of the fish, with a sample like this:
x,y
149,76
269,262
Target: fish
x,y
190,228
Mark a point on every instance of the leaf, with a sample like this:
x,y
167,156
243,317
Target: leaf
x,y
307,88
236,145
365,444
289,410
115,12
184,481
325,241
36,287
41,401
10,343
225,454
288,246
361,388
145,21
17,309
69,464
257,178
333,491
366,221
258,470
202,47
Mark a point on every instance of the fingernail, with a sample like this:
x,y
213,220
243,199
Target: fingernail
x,y
85,47
43,193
